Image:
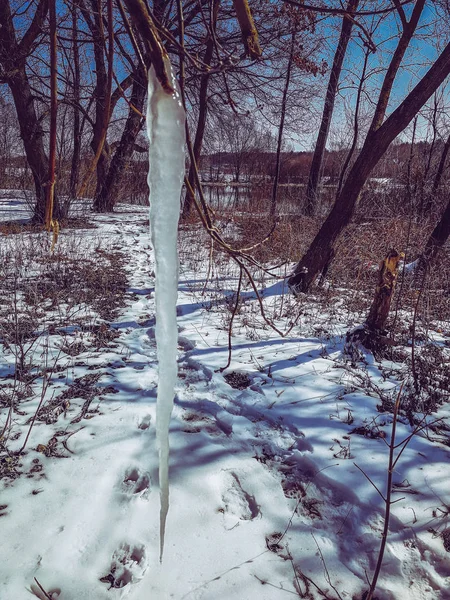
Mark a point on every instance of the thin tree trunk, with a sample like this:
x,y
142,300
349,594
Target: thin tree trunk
x,y
107,195
355,123
202,115
409,28
376,144
102,91
426,201
49,223
319,150
273,205
75,166
409,189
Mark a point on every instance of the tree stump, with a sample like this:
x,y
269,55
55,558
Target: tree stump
x,y
372,334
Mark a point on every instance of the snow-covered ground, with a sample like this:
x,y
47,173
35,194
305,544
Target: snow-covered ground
x,y
266,500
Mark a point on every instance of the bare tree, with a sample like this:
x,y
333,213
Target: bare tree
x,y
381,133
273,204
202,111
13,57
76,155
316,164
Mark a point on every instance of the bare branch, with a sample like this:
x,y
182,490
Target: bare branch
x,y
34,29
342,11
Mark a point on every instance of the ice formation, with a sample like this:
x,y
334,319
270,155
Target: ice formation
x,y
165,126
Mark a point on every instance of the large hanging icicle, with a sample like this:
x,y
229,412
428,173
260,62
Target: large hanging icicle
x,y
165,126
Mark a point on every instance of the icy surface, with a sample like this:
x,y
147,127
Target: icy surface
x,y
165,125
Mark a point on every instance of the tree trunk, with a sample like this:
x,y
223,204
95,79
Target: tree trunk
x,y
248,29
440,169
375,145
75,166
106,196
439,236
349,156
273,204
32,136
202,116
102,91
317,160
13,55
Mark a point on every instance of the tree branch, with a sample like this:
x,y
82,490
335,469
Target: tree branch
x,y
34,29
342,11
401,13
143,22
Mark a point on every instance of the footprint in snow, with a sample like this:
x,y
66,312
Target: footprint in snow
x,y
200,423
145,423
236,502
136,483
185,343
128,565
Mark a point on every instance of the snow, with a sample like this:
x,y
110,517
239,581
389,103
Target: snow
x,y
265,495
165,126
412,266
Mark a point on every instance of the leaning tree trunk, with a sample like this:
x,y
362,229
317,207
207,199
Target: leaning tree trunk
x,y
102,91
107,193
376,143
319,150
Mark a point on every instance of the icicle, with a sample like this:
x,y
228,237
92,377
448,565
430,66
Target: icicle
x,y
165,126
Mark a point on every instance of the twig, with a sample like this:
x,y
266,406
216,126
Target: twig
x,y
370,481
42,590
327,574
211,250
230,327
64,443
388,501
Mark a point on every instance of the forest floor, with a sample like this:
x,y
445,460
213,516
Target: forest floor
x,y
266,498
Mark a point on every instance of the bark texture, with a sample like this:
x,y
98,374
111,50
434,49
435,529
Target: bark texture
x,y
248,29
387,276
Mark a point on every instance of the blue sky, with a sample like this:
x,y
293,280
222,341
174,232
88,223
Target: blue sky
x,y
421,53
